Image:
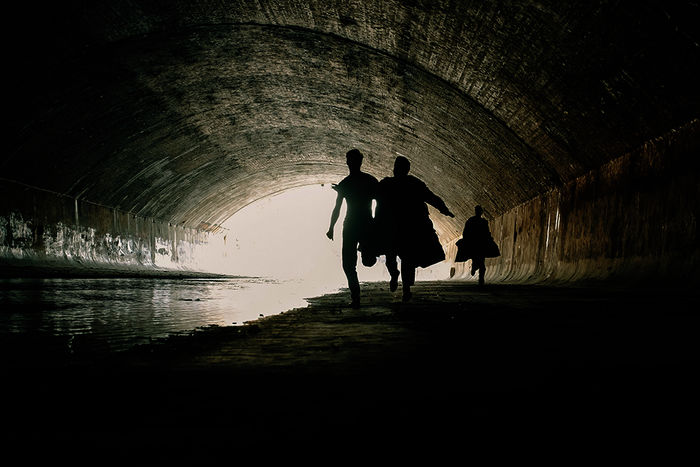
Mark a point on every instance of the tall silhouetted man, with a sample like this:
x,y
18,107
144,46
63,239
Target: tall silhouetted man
x,y
404,226
358,190
477,243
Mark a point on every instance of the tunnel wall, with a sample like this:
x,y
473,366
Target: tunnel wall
x,y
46,233
633,219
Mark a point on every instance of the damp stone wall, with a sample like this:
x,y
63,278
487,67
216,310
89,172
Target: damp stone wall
x,y
633,219
46,233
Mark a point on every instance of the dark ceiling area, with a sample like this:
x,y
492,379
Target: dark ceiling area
x,y
188,111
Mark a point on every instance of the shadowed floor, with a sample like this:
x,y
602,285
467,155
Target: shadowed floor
x,y
457,363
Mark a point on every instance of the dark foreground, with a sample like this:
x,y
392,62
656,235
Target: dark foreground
x,y
456,369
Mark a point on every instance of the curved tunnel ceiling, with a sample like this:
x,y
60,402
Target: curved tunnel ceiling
x,y
188,111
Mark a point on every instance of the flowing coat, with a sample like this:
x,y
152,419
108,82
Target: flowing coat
x,y
476,241
402,221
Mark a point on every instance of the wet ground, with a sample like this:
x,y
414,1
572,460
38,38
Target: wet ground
x,y
54,318
456,368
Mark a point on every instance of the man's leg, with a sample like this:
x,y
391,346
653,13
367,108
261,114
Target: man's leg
x,y
408,273
393,269
349,254
367,250
482,270
480,264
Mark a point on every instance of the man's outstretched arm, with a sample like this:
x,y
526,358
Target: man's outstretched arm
x,y
334,215
437,202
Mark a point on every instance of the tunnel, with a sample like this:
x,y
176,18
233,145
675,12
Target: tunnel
x,y
574,126
137,128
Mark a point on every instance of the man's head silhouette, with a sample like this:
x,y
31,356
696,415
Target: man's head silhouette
x,y
478,210
354,159
401,166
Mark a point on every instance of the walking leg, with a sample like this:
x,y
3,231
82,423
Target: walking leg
x,y
393,269
482,270
349,258
408,272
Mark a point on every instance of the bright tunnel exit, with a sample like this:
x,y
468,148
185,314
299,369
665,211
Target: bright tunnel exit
x,y
283,237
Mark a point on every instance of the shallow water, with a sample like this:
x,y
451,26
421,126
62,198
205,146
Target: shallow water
x,y
114,314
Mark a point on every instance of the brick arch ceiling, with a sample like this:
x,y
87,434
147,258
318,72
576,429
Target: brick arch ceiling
x,y
188,111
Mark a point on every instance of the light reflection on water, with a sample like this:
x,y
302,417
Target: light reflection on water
x,y
116,314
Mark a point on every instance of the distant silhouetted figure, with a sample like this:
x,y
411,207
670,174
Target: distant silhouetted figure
x,y
358,190
404,227
476,243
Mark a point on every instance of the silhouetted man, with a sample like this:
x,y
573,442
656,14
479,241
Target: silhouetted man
x,y
476,243
358,190
404,226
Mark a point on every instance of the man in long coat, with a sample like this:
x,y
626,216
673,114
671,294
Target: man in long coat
x,y
476,243
404,227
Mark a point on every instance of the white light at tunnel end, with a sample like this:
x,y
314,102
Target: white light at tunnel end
x,y
283,238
